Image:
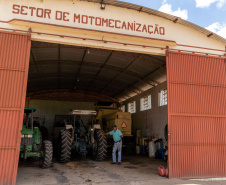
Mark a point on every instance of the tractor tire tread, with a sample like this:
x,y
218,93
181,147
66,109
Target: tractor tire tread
x,y
101,152
48,157
65,146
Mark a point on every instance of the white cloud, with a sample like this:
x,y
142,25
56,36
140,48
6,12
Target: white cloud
x,y
167,8
218,28
164,1
207,3
221,3
204,3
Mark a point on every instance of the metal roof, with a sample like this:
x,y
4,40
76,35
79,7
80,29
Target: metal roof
x,y
115,74
161,14
97,74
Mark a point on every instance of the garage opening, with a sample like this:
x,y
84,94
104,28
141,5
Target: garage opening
x,y
64,78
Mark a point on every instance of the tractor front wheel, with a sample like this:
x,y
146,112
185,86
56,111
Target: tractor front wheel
x,y
47,149
100,149
64,146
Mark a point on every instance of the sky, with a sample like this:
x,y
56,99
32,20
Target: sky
x,y
210,14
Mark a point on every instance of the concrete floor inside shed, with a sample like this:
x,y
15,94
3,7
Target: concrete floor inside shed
x,y
134,170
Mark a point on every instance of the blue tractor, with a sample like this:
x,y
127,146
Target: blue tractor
x,y
76,136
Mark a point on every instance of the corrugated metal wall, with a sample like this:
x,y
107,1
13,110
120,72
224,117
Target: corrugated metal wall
x,y
196,115
14,64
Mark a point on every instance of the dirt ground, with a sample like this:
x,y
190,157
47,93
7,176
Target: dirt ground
x,y
134,170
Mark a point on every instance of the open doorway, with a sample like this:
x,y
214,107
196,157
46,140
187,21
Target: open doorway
x,y
63,78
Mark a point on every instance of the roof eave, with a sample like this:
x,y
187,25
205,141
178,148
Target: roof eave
x,y
163,15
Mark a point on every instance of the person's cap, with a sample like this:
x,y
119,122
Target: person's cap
x,y
114,125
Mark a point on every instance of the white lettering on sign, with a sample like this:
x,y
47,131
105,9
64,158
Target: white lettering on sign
x,y
88,20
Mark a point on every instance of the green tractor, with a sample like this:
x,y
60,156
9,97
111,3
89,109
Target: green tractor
x,y
31,141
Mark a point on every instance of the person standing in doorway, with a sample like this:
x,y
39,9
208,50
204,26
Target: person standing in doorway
x,y
117,137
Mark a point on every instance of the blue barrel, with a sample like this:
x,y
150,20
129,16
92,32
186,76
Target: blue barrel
x,y
142,150
161,151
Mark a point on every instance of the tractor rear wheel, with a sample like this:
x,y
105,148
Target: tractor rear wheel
x,y
100,149
65,146
47,149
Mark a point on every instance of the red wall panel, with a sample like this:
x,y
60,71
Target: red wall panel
x,y
14,63
196,115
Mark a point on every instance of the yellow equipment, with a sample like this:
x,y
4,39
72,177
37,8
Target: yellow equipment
x,y
122,120
109,116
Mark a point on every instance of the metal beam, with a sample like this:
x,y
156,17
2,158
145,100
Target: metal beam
x,y
59,69
106,51
48,91
109,68
98,72
79,87
155,58
122,71
36,67
94,78
129,56
136,82
146,61
82,62
71,76
56,46
79,70
92,64
114,89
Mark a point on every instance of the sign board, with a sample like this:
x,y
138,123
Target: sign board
x,y
85,15
86,20
92,21
123,125
84,112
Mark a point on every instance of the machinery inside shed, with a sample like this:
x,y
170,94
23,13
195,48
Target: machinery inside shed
x,y
63,78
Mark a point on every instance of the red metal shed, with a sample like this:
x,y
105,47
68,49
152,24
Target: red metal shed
x,y
196,115
14,63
